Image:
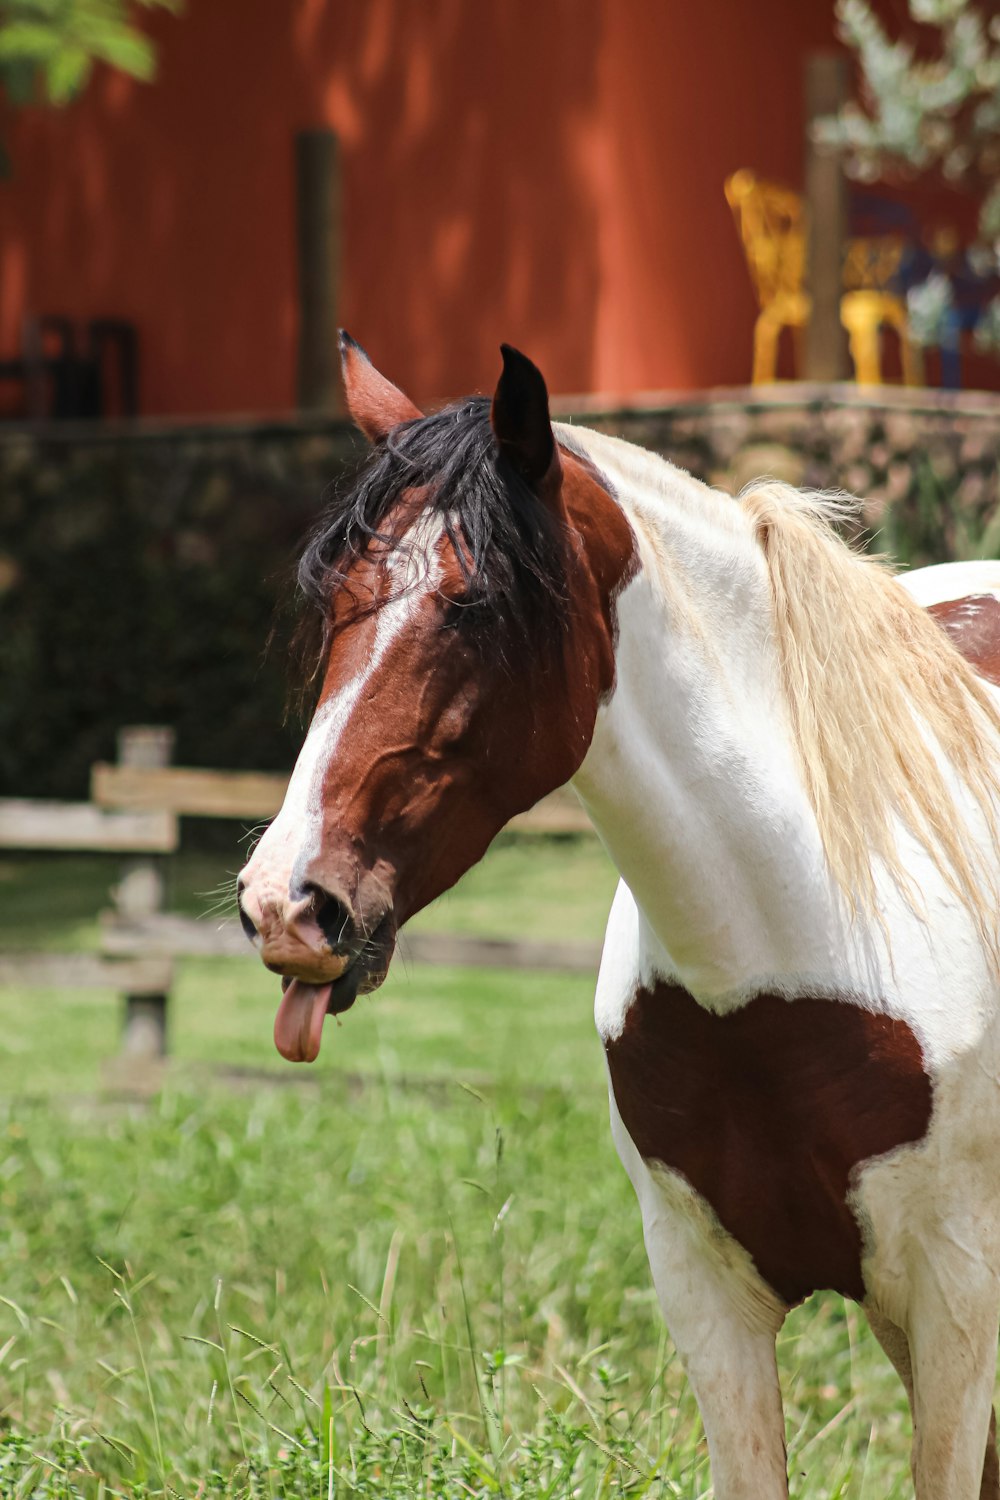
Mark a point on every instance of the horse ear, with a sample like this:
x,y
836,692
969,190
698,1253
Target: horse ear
x,y
520,418
375,404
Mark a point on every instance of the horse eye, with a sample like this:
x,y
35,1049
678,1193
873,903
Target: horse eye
x,y
455,613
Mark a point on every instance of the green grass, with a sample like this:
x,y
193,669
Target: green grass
x,y
531,888
433,1022
426,1023
460,1279
420,1275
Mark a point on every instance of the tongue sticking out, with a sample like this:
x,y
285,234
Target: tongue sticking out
x,y
298,1026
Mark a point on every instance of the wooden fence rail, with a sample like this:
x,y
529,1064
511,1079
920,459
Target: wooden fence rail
x,y
79,826
133,813
253,795
256,796
150,974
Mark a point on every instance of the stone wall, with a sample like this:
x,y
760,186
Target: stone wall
x,y
142,569
141,575
925,464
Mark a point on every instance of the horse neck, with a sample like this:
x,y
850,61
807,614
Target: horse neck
x,y
691,777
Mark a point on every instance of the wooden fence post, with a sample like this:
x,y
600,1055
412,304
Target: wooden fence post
x,y
140,894
317,223
826,87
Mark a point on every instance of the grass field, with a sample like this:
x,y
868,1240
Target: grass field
x,y
419,1272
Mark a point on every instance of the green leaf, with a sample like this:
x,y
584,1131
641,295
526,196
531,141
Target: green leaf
x,y
25,40
128,51
48,47
326,1429
67,74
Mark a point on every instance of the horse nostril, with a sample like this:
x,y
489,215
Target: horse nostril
x,y
331,916
245,921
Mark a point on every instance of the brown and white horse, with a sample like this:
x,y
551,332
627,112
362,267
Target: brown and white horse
x,y
793,768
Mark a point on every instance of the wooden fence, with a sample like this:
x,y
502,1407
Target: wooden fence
x,y
134,813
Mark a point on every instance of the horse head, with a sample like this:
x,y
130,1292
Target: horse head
x,y
466,587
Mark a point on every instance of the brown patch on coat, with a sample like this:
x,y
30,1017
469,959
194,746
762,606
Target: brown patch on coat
x,y
767,1111
973,624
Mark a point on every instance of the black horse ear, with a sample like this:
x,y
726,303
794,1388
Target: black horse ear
x,y
376,405
521,423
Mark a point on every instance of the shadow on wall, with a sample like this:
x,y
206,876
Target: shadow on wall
x,y
476,122
545,174
465,134
168,206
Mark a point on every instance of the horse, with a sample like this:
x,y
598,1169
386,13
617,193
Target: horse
x,y
789,751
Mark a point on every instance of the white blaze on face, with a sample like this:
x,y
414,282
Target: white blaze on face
x,y
298,828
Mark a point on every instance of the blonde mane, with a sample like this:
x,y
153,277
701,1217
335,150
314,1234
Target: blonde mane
x,y
873,684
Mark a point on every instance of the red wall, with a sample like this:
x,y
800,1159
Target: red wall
x,y
547,172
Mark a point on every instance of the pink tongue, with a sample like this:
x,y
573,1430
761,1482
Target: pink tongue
x,y
298,1026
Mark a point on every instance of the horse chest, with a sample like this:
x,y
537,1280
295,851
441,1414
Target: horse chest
x,y
767,1112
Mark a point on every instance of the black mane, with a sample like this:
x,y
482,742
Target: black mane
x,y
509,544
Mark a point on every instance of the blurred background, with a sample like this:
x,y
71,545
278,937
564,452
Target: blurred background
x,y
755,238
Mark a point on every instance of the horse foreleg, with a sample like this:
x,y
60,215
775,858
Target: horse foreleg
x,y
734,1377
897,1346
723,1322
953,1349
731,1366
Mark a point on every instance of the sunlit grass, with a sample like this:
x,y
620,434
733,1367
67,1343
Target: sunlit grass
x,y
423,1021
465,1270
422,1274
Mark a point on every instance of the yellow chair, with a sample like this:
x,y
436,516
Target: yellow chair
x,y
771,222
772,225
870,267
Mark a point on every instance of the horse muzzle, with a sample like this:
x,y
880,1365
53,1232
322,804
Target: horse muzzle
x,y
326,952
